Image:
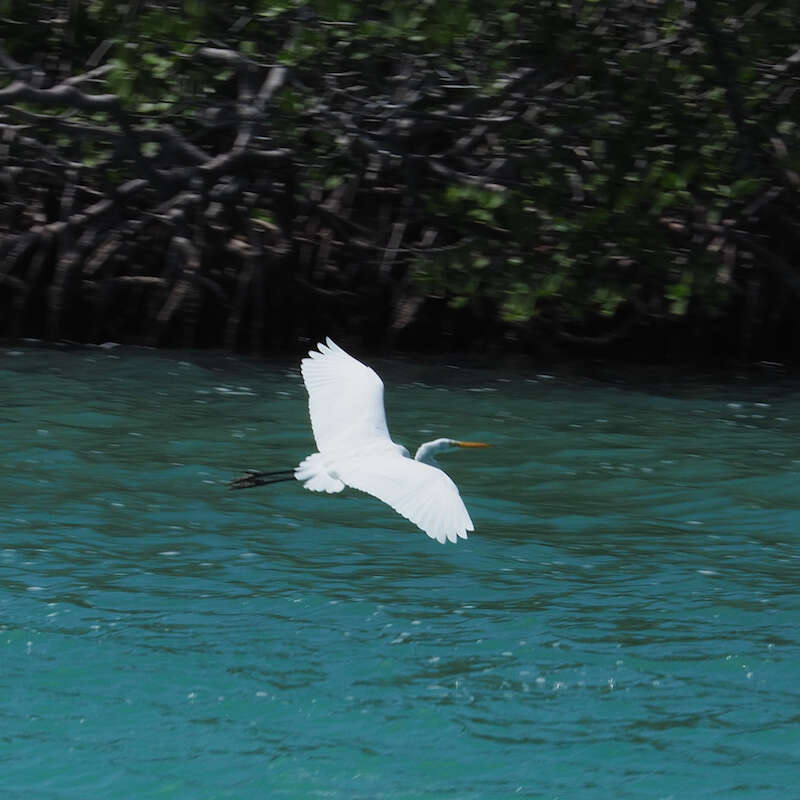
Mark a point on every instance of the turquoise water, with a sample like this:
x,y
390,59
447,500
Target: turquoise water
x,y
623,623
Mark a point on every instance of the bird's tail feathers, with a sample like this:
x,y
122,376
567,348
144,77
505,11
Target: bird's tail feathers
x,y
312,473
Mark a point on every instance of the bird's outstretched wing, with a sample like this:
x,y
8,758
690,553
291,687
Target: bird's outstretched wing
x,y
345,400
421,493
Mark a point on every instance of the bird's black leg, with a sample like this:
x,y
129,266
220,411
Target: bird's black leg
x,y
253,478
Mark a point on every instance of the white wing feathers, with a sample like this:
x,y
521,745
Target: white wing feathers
x,y
345,399
422,494
345,403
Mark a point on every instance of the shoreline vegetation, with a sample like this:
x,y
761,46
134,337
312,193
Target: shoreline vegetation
x,y
567,179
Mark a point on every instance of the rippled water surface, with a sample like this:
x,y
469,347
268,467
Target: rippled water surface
x,y
623,623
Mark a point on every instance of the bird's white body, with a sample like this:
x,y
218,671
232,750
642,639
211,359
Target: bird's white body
x,y
345,403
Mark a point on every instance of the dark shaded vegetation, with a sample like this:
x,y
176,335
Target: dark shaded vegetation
x,y
607,178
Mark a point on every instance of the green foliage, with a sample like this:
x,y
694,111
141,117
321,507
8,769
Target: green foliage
x,y
624,172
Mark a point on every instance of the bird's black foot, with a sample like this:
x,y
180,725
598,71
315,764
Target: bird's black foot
x,y
253,478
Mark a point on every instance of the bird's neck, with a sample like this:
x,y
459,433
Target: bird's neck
x,y
427,451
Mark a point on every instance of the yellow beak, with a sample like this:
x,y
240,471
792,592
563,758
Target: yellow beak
x,y
472,444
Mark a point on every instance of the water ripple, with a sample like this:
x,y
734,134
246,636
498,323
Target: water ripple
x,y
622,623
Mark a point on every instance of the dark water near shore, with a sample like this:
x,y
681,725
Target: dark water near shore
x,y
622,624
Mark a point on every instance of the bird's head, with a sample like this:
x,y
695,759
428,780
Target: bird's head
x,y
428,451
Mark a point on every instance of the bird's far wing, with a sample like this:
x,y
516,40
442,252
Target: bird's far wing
x,y
345,399
421,493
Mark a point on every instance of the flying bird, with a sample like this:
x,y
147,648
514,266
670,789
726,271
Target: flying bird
x,y
345,403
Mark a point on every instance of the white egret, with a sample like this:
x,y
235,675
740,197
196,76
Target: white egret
x,y
345,403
